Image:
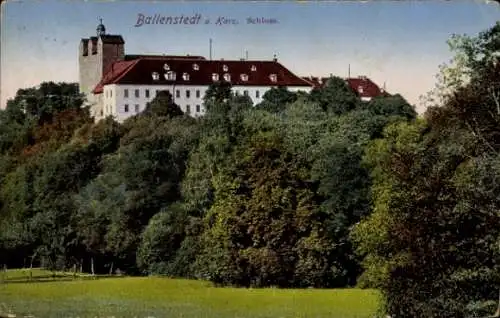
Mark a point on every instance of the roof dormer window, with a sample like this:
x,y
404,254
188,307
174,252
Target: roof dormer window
x,y
253,68
185,76
273,77
196,67
227,77
166,67
360,89
170,76
244,77
155,75
225,68
215,77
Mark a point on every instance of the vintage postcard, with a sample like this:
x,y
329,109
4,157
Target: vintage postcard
x,y
249,159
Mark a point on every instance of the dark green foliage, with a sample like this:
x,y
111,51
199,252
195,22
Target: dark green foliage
x,y
163,105
335,96
431,244
161,240
275,100
394,105
47,99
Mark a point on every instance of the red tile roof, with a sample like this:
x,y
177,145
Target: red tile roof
x,y
139,72
362,86
117,70
177,57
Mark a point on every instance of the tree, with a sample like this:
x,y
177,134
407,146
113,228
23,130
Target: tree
x,y
47,99
429,244
162,105
394,105
161,240
335,96
276,99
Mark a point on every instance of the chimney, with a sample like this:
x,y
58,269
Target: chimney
x,y
210,49
275,59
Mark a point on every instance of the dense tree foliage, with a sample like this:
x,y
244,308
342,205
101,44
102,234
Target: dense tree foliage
x,y
311,189
431,243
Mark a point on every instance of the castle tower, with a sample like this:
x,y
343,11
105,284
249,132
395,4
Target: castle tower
x,y
95,57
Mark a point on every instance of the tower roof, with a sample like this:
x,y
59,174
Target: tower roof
x,y
101,29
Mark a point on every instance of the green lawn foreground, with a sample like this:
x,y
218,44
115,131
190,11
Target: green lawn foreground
x,y
143,297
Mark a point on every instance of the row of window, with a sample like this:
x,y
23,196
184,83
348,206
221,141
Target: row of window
x,y
188,108
177,93
126,108
196,67
172,76
147,95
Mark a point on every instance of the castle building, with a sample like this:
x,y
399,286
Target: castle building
x,y
121,85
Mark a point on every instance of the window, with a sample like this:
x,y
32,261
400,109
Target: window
x,y
156,76
178,93
170,76
197,108
197,93
166,67
188,109
215,77
196,67
137,93
245,93
147,93
257,94
273,77
125,93
110,93
244,77
102,114
227,77
188,93
225,68
185,76
253,68
360,89
125,108
136,108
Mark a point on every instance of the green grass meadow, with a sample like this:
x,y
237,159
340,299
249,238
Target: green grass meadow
x,y
163,297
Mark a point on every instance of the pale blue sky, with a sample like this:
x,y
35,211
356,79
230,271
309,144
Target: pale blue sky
x,y
400,43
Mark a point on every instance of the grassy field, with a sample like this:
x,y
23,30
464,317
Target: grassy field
x,y
144,297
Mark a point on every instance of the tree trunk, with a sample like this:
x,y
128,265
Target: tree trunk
x,y
31,266
92,266
497,313
3,276
81,266
111,269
